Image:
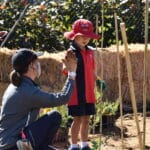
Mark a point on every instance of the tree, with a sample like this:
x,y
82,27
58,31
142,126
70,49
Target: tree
x,y
44,23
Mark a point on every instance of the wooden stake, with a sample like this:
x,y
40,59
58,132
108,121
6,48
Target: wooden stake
x,y
145,73
102,44
102,26
119,79
131,85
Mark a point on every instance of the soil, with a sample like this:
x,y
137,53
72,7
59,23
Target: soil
x,y
111,135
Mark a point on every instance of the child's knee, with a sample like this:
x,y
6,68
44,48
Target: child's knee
x,y
85,120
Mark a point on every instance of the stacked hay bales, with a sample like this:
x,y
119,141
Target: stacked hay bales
x,y
110,72
107,63
5,66
3,86
52,79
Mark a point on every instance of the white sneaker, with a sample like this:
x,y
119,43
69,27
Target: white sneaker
x,y
24,145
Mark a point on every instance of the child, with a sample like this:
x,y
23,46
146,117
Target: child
x,y
82,102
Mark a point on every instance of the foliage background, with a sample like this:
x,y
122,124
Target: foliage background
x,y
45,22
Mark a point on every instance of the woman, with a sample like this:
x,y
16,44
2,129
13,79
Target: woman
x,y
22,100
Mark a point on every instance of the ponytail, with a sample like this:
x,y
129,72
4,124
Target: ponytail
x,y
15,78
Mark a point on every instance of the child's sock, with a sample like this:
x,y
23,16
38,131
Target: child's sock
x,y
83,144
74,145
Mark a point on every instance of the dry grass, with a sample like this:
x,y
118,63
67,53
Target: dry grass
x,y
3,86
5,65
110,71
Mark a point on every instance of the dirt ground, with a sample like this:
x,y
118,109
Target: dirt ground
x,y
113,142
111,135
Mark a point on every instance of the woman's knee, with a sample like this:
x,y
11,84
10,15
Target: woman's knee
x,y
55,116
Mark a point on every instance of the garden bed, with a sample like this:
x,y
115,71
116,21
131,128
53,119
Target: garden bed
x,y
111,139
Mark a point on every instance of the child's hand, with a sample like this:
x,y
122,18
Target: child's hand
x,y
70,61
101,84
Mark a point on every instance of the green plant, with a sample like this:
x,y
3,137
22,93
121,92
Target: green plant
x,y
107,108
104,108
95,144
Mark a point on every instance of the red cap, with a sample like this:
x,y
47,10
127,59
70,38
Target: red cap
x,y
81,27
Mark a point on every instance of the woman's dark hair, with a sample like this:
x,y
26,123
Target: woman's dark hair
x,y
20,61
16,77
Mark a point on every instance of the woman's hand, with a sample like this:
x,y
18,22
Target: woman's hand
x,y
70,61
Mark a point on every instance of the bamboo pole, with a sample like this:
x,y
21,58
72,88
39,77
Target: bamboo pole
x,y
119,79
102,72
102,40
102,27
93,128
131,85
145,72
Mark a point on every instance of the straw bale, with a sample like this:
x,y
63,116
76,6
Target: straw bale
x,y
109,56
112,92
3,86
137,63
107,61
51,73
5,65
50,63
52,76
138,89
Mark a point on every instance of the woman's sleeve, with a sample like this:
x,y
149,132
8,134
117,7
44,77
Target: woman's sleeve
x,y
41,99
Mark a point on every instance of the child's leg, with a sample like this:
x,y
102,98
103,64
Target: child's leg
x,y
84,127
75,127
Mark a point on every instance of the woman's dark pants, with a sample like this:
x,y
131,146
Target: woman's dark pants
x,y
41,132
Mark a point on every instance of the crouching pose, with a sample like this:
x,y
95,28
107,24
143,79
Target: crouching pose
x,y
19,126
